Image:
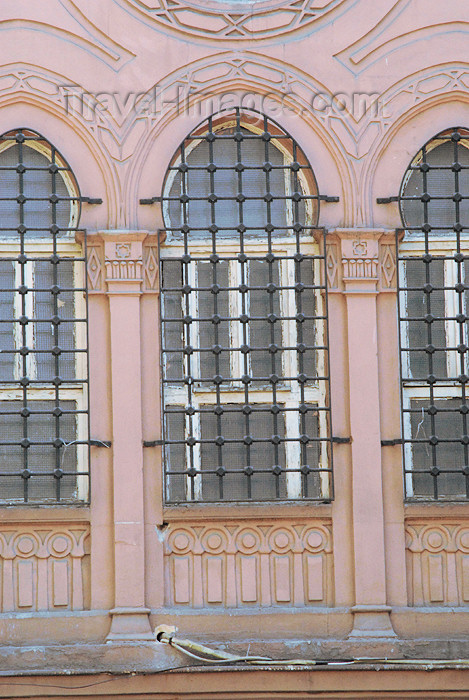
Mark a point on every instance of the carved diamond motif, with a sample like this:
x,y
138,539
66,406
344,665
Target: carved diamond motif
x,y
388,266
151,268
331,266
95,268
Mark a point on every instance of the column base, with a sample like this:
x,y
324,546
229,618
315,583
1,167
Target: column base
x,y
371,621
131,624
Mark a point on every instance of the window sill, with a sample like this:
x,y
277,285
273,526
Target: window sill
x,y
48,513
242,511
447,509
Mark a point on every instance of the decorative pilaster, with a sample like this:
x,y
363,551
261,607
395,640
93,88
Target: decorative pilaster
x,y
352,255
122,265
110,261
363,271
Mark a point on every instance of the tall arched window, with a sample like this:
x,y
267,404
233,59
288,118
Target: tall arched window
x,y
434,310
244,322
43,327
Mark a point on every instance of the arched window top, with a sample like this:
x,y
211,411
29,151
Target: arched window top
x,y
433,273
239,172
434,194
39,194
244,319
43,328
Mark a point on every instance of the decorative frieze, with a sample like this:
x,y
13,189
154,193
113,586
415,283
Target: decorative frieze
x,y
332,265
360,257
437,563
121,259
235,23
95,267
368,260
360,268
387,255
44,567
247,564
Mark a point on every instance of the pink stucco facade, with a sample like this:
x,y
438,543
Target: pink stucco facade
x,y
115,86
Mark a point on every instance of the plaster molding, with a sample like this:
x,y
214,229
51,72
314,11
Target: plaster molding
x,y
229,73
368,260
22,83
230,21
44,567
96,43
122,259
245,564
437,555
400,104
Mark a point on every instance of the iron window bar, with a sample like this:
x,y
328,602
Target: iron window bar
x,y
226,394
433,310
44,408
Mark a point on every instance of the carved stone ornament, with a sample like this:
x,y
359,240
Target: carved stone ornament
x,y
236,565
44,567
332,265
388,266
121,257
368,257
95,267
235,21
437,563
123,261
360,257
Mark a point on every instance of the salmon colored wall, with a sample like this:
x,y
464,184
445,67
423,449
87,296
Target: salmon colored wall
x,y
358,567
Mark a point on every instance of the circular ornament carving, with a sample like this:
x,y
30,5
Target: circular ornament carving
x,y
281,540
26,545
214,542
60,545
181,542
462,540
314,540
248,541
434,540
237,20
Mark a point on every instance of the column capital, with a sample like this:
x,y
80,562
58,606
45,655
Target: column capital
x,y
361,260
122,261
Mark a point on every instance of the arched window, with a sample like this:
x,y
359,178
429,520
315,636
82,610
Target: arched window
x,y
43,327
244,337
434,310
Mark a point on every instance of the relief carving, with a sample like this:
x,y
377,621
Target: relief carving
x,y
44,568
360,259
206,20
437,558
95,267
150,266
120,262
332,265
388,266
249,564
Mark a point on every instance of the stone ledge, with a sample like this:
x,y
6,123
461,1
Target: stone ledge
x,y
152,657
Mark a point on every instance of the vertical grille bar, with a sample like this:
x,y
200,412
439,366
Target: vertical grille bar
x,y
44,411
241,206
433,289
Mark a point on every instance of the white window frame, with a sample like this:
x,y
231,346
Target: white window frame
x,y
39,246
412,391
288,392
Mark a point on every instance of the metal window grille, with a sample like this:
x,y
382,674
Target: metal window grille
x,y
433,313
244,319
43,327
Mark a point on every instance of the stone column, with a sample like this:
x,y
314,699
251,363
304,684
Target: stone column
x,y
362,275
122,274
